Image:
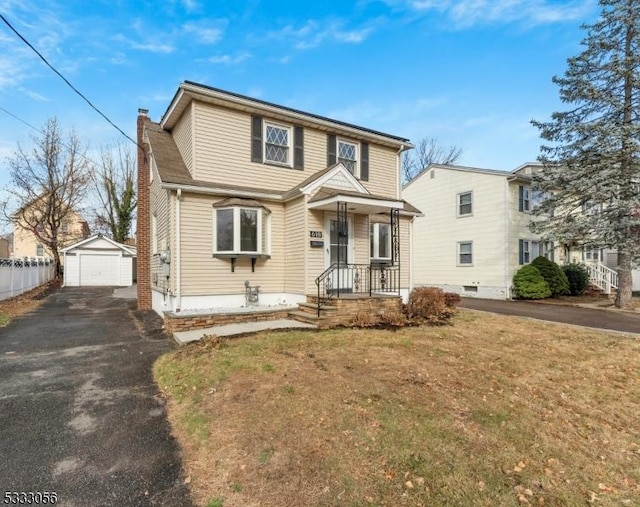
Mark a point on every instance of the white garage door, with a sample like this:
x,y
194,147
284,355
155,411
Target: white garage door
x,y
99,270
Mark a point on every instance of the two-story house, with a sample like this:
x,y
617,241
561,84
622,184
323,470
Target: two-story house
x,y
236,194
474,234
26,242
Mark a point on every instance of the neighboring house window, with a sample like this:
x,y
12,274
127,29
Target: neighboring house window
x,y
465,253
277,144
593,255
154,234
524,198
348,155
380,241
238,230
64,227
40,251
530,249
465,204
590,207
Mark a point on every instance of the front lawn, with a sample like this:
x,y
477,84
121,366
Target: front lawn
x,y
491,411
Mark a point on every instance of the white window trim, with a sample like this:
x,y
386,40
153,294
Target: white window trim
x,y
289,162
458,253
458,204
526,199
236,231
376,241
356,170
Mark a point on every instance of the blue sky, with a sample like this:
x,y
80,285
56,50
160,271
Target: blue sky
x,y
468,72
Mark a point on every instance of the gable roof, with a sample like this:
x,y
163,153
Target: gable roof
x,y
85,242
516,174
334,172
189,90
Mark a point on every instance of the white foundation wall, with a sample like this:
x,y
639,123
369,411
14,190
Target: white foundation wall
x,y
167,303
483,292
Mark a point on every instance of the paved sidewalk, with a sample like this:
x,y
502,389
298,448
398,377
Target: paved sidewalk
x,y
243,328
596,318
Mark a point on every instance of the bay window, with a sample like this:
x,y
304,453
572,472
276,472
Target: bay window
x,y
238,230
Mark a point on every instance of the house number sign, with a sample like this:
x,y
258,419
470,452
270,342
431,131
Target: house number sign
x,y
315,234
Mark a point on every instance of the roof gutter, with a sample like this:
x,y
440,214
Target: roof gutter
x,y
221,191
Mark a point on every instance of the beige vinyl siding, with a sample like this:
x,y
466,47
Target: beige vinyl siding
x,y
223,141
383,175
296,243
160,207
183,137
316,256
203,274
436,235
361,244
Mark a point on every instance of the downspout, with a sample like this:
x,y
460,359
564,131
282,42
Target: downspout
x,y
178,281
399,171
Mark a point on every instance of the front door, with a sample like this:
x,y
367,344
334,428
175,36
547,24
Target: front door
x,y
339,251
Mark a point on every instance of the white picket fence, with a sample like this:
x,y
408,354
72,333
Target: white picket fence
x,y
21,275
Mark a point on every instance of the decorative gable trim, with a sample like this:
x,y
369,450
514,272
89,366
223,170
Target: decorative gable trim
x,y
339,178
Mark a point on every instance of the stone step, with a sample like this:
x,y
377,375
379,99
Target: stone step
x,y
304,317
313,308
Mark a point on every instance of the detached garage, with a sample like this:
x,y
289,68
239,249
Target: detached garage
x,y
98,260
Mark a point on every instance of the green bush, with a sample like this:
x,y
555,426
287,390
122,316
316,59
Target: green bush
x,y
428,304
553,274
530,284
578,276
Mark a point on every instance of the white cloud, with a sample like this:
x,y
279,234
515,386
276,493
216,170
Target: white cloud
x,y
315,32
229,59
208,32
466,13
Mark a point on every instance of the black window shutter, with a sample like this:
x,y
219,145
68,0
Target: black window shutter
x,y
521,250
298,147
256,139
364,161
520,199
331,149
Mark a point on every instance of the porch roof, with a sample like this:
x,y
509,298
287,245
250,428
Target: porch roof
x,y
365,204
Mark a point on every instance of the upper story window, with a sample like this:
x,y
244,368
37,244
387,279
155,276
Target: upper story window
x,y
277,144
354,156
524,198
348,155
380,237
274,143
465,204
39,250
64,227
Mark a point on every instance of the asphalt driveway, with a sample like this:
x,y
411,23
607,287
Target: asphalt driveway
x,y
79,413
589,317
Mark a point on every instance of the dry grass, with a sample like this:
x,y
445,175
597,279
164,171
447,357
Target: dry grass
x,y
25,303
493,411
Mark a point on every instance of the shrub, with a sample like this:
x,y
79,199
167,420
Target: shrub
x,y
528,283
364,319
428,304
451,299
578,276
553,274
392,319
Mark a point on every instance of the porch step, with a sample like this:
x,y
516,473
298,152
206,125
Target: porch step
x,y
305,317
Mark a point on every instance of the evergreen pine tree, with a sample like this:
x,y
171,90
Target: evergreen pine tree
x,y
591,171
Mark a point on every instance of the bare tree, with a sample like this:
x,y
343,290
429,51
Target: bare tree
x,y
115,186
428,151
48,184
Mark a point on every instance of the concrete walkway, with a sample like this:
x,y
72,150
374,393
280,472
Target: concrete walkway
x,y
596,318
243,328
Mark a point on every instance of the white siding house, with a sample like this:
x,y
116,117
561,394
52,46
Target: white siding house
x,y
473,235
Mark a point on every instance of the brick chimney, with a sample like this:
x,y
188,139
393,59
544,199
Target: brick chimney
x,y
143,232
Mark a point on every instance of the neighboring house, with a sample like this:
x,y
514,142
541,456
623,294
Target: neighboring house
x,y
234,190
474,234
26,244
6,246
98,261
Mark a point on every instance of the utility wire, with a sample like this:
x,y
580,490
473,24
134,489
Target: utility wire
x,y
66,80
